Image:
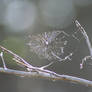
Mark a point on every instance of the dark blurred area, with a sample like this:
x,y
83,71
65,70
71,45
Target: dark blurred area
x,y
21,18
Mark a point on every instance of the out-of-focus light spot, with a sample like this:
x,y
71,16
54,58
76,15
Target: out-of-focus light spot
x,y
2,11
20,15
83,2
57,13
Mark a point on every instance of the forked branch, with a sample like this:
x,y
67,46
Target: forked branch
x,y
48,75
39,72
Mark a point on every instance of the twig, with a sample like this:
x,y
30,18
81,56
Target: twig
x,y
2,58
51,76
85,36
18,58
81,29
39,72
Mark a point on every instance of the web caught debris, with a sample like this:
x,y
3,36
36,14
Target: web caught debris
x,y
50,45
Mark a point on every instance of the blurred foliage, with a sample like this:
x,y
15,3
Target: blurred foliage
x,y
16,45
57,14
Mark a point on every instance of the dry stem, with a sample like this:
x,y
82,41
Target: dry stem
x,y
81,29
50,75
41,72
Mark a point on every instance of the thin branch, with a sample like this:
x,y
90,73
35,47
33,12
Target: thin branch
x,y
81,29
18,58
39,72
51,76
85,36
2,58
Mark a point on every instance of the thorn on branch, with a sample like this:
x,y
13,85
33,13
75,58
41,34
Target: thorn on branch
x,y
43,67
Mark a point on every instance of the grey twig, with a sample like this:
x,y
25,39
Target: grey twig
x,y
85,36
15,56
81,29
40,72
2,58
51,75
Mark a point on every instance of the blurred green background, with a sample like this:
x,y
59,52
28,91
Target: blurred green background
x,y
21,18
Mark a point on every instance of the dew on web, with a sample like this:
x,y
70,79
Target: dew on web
x,y
49,45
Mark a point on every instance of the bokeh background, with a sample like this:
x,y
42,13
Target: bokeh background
x,y
21,18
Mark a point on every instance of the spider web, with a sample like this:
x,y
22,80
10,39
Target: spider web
x,y
50,45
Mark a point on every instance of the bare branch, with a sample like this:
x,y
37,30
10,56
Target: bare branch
x,y
18,58
43,67
52,76
81,29
4,65
85,36
39,72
